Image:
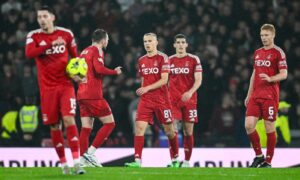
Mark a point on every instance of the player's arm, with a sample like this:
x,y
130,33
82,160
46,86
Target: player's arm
x,y
282,75
162,81
250,89
198,80
101,69
72,46
282,66
32,50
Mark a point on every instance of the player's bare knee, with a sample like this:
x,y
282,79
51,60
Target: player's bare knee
x,y
139,130
55,127
68,120
250,127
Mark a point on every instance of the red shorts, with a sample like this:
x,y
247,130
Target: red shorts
x,y
94,108
185,112
57,103
146,110
262,108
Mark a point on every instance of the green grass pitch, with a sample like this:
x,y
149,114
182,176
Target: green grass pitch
x,y
153,173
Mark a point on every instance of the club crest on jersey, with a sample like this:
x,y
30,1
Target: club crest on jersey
x,y
186,63
155,63
269,56
257,56
261,63
56,49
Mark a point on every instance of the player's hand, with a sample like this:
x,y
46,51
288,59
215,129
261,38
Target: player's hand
x,y
265,77
142,90
119,70
78,79
59,41
246,101
186,96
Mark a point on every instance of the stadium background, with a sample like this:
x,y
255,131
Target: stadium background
x,y
224,34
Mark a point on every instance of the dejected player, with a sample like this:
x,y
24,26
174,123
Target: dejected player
x,y
154,70
262,100
185,79
51,46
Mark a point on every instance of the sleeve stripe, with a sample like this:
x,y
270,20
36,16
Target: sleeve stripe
x,y
280,51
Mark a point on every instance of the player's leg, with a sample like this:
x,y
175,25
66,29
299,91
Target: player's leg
x,y
100,109
58,143
144,117
68,110
190,116
164,116
86,129
270,109
173,143
101,136
140,129
252,114
50,111
188,142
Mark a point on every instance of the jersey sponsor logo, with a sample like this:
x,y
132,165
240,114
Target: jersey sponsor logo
x,y
147,71
180,70
265,63
43,43
56,50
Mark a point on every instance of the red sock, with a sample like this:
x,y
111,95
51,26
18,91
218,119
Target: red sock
x,y
102,134
188,144
84,139
173,145
254,139
58,143
138,146
73,140
271,143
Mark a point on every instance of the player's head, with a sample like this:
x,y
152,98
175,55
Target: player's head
x,y
150,42
100,37
267,34
180,44
45,18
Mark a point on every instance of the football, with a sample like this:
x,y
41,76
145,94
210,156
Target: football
x,y
77,66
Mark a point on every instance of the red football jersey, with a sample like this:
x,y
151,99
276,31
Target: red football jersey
x,y
268,62
92,87
51,60
182,76
150,69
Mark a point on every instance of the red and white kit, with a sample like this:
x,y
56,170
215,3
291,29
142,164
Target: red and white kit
x,y
56,89
264,99
182,78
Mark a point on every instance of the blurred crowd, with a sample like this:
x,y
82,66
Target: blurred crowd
x,y
223,33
